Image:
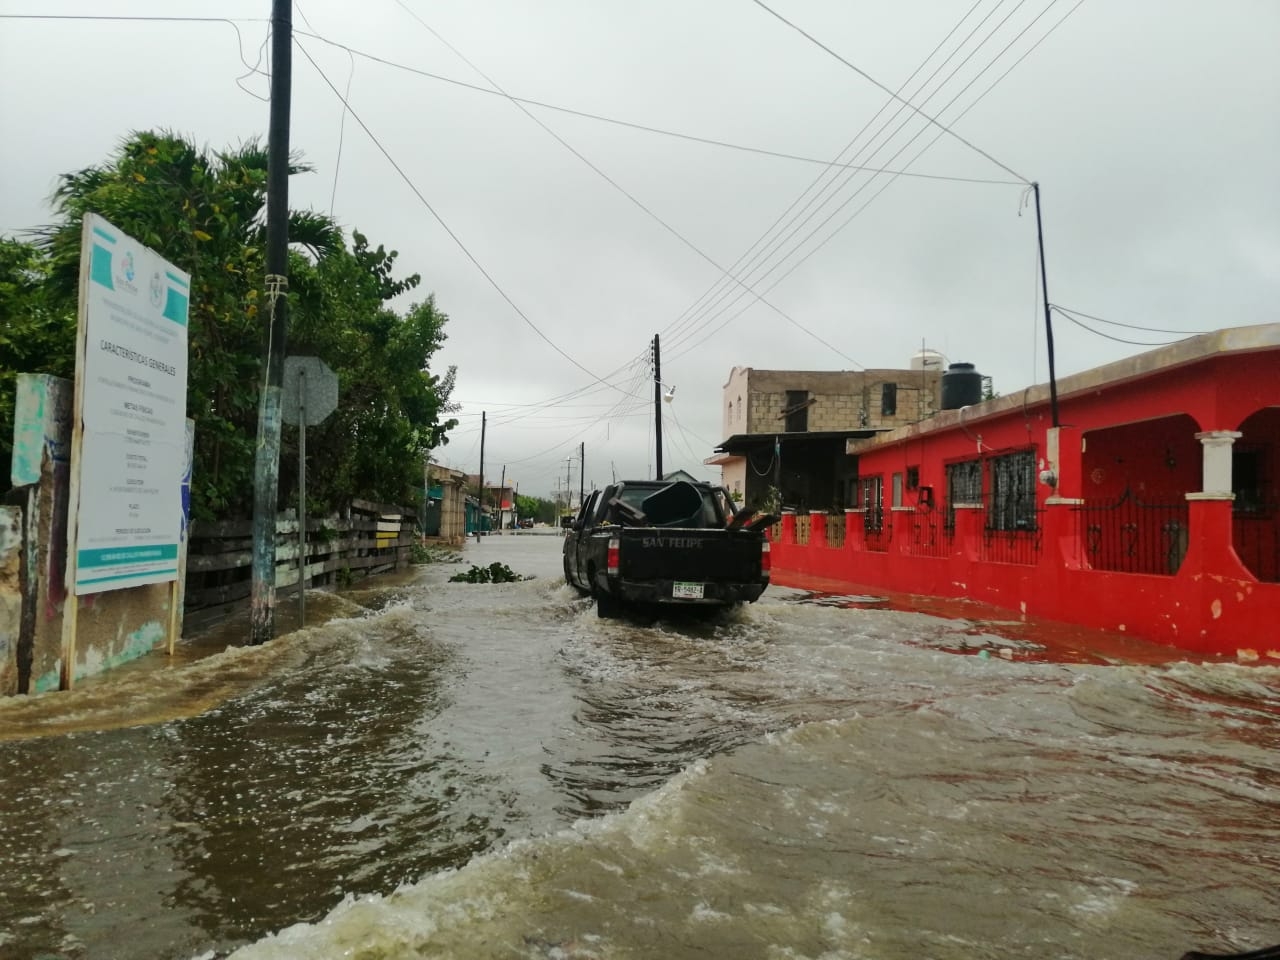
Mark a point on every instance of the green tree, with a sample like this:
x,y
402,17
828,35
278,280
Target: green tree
x,y
36,335
536,507
202,212
392,408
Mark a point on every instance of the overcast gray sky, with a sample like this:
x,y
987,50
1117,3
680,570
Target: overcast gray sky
x,y
1153,127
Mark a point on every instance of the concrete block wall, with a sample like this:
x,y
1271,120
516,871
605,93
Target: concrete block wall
x,y
763,410
840,398
835,411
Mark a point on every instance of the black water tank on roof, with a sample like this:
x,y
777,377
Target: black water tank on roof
x,y
961,386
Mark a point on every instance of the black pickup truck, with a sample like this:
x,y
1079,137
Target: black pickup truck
x,y
655,542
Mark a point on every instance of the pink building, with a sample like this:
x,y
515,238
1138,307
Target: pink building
x,y
1152,508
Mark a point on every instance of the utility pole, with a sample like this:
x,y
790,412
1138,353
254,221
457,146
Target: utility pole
x,y
1048,319
582,471
266,475
502,489
568,482
657,404
480,486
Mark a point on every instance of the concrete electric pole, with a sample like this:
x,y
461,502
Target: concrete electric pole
x,y
266,474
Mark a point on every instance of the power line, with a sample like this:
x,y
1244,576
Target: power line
x,y
1127,326
354,52
342,133
628,391
718,288
632,125
617,186
684,437
565,423
1107,336
563,444
781,259
505,407
440,220
695,436
690,346
159,19
866,76
251,68
626,406
589,389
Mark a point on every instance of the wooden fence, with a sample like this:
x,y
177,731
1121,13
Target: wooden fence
x,y
367,538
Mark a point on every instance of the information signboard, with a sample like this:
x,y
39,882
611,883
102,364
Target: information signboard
x,y
128,463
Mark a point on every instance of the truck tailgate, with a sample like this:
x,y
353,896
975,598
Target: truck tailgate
x,y
690,554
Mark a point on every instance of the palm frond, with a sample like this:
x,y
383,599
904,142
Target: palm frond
x,y
317,232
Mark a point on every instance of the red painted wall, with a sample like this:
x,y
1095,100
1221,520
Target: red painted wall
x,y
1157,461
1198,592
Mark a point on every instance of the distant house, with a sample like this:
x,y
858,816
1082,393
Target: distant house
x,y
497,503
444,512
685,475
788,428
501,503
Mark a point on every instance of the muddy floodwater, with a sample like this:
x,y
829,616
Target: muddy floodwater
x,y
467,771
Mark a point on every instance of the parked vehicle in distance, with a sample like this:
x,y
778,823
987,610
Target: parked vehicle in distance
x,y
661,543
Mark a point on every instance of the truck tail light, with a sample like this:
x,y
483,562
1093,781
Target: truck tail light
x,y
766,559
611,558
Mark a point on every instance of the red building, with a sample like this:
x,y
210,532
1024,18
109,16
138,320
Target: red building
x,y
1151,509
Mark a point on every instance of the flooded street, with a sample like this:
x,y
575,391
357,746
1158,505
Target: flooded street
x,y
473,771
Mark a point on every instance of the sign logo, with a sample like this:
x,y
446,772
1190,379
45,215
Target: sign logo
x,y
125,271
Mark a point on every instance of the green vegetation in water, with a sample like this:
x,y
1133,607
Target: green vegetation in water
x,y
433,553
493,573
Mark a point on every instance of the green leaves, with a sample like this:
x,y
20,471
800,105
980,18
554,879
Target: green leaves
x,y
493,573
37,335
204,211
541,510
391,408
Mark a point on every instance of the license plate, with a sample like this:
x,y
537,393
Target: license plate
x,y
686,591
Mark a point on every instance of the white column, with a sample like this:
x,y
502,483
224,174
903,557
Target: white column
x,y
1217,446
